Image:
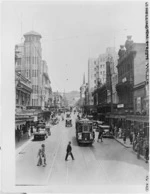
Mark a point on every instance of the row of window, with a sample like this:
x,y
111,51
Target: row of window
x,y
102,80
32,60
32,38
22,99
34,102
35,89
34,73
102,72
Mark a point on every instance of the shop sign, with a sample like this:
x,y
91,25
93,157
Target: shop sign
x,y
120,106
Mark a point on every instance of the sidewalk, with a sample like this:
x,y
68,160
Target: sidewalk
x,y
128,145
24,141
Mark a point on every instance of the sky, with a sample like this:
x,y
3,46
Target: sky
x,y
74,32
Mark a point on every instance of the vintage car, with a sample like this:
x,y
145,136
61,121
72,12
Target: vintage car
x,y
40,134
106,130
54,121
48,130
68,120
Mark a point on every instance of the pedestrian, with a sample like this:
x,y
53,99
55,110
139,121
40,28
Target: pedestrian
x,y
131,137
115,131
138,149
39,157
94,135
146,152
100,136
124,137
42,156
31,130
69,151
29,133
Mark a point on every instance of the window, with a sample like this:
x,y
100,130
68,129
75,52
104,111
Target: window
x,y
85,128
33,60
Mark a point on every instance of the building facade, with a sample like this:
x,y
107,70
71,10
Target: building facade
x,y
30,64
91,79
23,91
46,91
33,63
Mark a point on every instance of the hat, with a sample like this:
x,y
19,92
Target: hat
x,y
43,145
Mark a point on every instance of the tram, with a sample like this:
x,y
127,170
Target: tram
x,y
84,131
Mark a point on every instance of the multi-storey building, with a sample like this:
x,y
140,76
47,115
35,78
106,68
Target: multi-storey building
x,y
46,96
32,67
91,79
57,100
23,91
19,59
131,87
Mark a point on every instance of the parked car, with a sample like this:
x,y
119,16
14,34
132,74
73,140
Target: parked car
x,y
41,134
48,130
106,130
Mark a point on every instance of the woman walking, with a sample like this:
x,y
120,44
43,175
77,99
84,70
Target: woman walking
x,y
41,156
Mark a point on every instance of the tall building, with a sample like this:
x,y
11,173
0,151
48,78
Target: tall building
x,y
97,73
91,79
46,95
29,62
32,68
82,91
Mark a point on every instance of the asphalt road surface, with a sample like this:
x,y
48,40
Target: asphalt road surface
x,y
104,163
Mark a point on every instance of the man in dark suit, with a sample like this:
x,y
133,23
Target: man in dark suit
x,y
69,151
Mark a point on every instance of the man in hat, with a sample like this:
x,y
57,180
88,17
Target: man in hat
x,y
69,151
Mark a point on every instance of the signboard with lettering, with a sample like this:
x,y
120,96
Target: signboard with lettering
x,y
120,106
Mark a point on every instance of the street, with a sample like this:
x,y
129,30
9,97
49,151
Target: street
x,y
106,162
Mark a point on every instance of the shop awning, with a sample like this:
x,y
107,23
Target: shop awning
x,y
20,122
137,118
116,116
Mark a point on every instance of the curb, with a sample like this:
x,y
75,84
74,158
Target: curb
x,y
21,148
141,157
122,143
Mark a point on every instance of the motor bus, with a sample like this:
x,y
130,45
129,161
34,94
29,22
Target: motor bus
x,y
84,131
